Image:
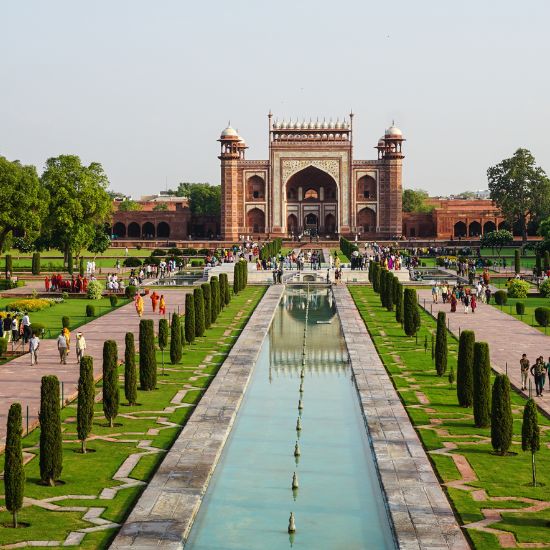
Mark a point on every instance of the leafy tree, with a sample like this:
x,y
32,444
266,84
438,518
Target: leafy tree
x,y
530,434
147,356
199,312
51,446
520,189
128,205
236,278
175,340
203,197
501,415
24,200
496,240
100,241
215,298
110,381
163,339
398,298
86,400
130,378
78,202
465,368
482,385
190,318
441,344
414,200
207,295
81,267
411,315
160,207
14,472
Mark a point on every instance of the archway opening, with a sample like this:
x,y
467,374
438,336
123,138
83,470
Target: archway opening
x,y
163,230
504,225
255,221
311,221
366,220
255,188
320,186
134,231
366,189
489,226
292,224
474,230
330,223
460,229
119,230
148,231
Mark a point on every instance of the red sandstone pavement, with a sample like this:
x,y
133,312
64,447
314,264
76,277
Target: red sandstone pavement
x,y
19,382
508,338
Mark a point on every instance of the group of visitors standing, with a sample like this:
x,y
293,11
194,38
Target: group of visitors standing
x,y
538,371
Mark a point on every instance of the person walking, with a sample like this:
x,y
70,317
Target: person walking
x,y
26,324
162,305
524,370
34,344
62,348
139,304
453,302
466,302
548,371
154,301
473,303
14,329
537,371
80,346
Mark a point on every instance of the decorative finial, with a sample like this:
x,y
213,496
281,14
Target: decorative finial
x,y
270,114
393,122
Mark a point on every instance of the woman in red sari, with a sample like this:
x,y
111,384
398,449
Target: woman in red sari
x,y
453,302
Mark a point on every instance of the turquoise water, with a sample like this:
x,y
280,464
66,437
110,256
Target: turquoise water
x,y
339,503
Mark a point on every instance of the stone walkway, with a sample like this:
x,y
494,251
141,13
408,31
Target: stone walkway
x,y
421,514
507,337
163,515
19,382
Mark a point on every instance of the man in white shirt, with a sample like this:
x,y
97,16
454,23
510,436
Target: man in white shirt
x,y
34,344
26,322
62,348
80,346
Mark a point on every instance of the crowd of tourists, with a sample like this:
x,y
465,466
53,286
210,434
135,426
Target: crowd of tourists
x,y
538,370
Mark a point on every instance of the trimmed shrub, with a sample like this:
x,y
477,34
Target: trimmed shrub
x,y
147,356
221,281
530,434
542,316
197,263
36,263
236,278
14,472
95,290
501,297
51,447
130,378
482,385
389,291
517,261
190,318
110,381
86,400
376,277
189,251
175,251
131,261
199,312
8,267
518,288
382,286
520,308
90,310
465,368
441,344
411,315
215,298
226,296
4,346
207,295
501,415
130,291
113,300
175,340
182,332
158,252
65,321
153,260
398,298
544,288
163,333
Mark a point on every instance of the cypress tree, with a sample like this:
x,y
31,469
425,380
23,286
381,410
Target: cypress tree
x,y
182,334
51,446
110,381
530,434
398,301
226,290
199,312
190,318
14,472
441,344
130,378
86,400
215,298
236,278
411,315
482,385
163,339
389,291
517,261
376,277
147,356
207,305
175,340
501,415
222,282
245,273
465,368
9,266
382,286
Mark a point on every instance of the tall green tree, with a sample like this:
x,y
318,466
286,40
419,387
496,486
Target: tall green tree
x,y
207,295
226,289
147,355
163,339
100,240
520,189
465,368
441,344
382,287
398,298
501,415
78,202
411,315
237,278
14,472
86,400
204,199
199,312
389,291
24,200
496,240
482,385
414,200
110,381
215,301
51,445
530,434
175,340
190,318
130,378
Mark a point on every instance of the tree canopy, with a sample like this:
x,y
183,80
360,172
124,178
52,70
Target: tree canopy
x,y
128,205
414,200
496,239
520,189
203,197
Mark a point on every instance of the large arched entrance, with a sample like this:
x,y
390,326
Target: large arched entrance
x,y
148,231
310,193
119,230
134,231
489,226
255,221
366,220
366,189
163,230
460,229
474,230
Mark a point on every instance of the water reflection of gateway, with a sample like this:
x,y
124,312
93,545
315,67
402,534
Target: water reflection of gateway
x,y
324,345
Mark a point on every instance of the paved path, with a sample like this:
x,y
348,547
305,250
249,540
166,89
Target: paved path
x,y
508,337
21,382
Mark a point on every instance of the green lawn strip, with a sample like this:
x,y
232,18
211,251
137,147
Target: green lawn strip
x,y
528,527
531,303
498,476
89,474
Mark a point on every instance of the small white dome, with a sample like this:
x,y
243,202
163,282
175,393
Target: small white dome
x,y
394,131
298,126
229,132
381,142
331,125
317,125
242,142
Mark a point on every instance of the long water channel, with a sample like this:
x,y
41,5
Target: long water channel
x,y
339,503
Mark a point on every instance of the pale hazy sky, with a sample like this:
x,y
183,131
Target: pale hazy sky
x,y
146,87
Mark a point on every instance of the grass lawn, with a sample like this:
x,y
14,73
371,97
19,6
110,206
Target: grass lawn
x,y
343,258
440,422
531,303
87,475
75,308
